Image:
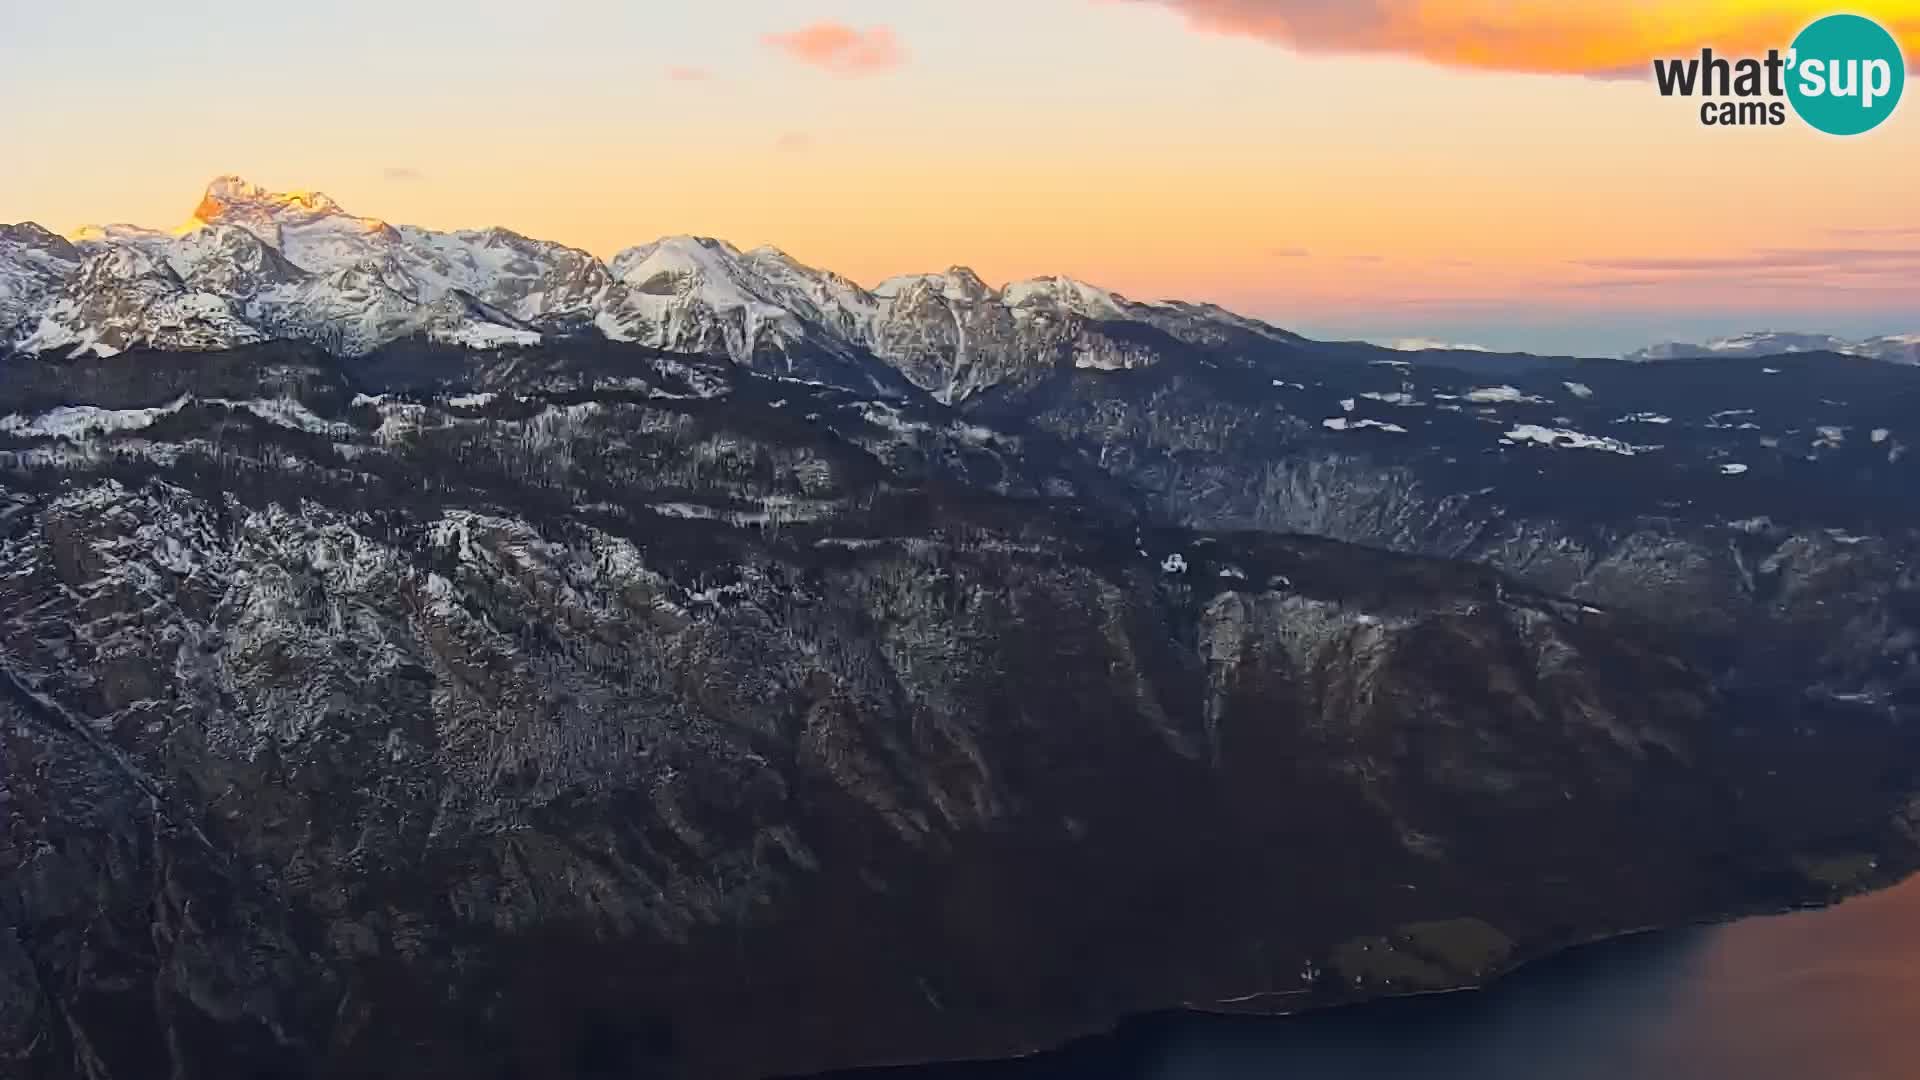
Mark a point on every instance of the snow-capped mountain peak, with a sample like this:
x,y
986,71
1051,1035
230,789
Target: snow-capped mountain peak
x,y
699,294
676,262
230,260
1066,294
33,236
308,227
233,199
296,264
958,283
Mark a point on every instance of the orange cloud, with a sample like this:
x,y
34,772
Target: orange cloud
x,y
1586,37
841,49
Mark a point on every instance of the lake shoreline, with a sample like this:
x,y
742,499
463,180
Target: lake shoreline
x,y
1110,1037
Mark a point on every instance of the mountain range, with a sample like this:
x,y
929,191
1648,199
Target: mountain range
x,y
453,655
251,265
1892,348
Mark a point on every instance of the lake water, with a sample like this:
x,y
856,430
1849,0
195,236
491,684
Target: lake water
x,y
1826,995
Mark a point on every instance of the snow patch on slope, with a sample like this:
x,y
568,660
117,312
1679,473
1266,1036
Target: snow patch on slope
x,y
1568,439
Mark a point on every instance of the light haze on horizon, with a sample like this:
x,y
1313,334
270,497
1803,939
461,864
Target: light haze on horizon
x,y
1453,170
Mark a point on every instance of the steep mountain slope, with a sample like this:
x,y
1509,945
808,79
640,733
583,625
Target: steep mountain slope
x,y
1763,499
570,710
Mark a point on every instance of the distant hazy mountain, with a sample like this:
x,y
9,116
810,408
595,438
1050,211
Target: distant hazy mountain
x,y
1894,348
1420,344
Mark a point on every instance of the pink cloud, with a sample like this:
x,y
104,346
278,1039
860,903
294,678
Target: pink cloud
x,y
1894,232
688,74
1606,38
841,49
1829,259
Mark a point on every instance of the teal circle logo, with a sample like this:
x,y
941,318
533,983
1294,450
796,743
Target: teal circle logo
x,y
1846,75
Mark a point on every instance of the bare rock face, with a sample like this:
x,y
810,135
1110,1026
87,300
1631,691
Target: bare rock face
x,y
572,711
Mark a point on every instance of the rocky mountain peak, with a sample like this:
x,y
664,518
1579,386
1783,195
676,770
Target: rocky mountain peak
x,y
309,227
961,282
231,260
229,196
1066,294
32,235
957,283
122,263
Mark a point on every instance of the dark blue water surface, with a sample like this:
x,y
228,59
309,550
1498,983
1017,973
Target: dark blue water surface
x,y
1821,995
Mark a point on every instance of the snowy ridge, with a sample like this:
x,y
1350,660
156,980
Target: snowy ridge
x,y
250,264
1420,344
78,422
1892,348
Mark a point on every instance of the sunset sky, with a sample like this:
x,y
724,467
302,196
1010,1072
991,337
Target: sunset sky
x,y
1500,173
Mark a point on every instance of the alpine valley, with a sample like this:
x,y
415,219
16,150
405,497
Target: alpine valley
x,y
453,655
